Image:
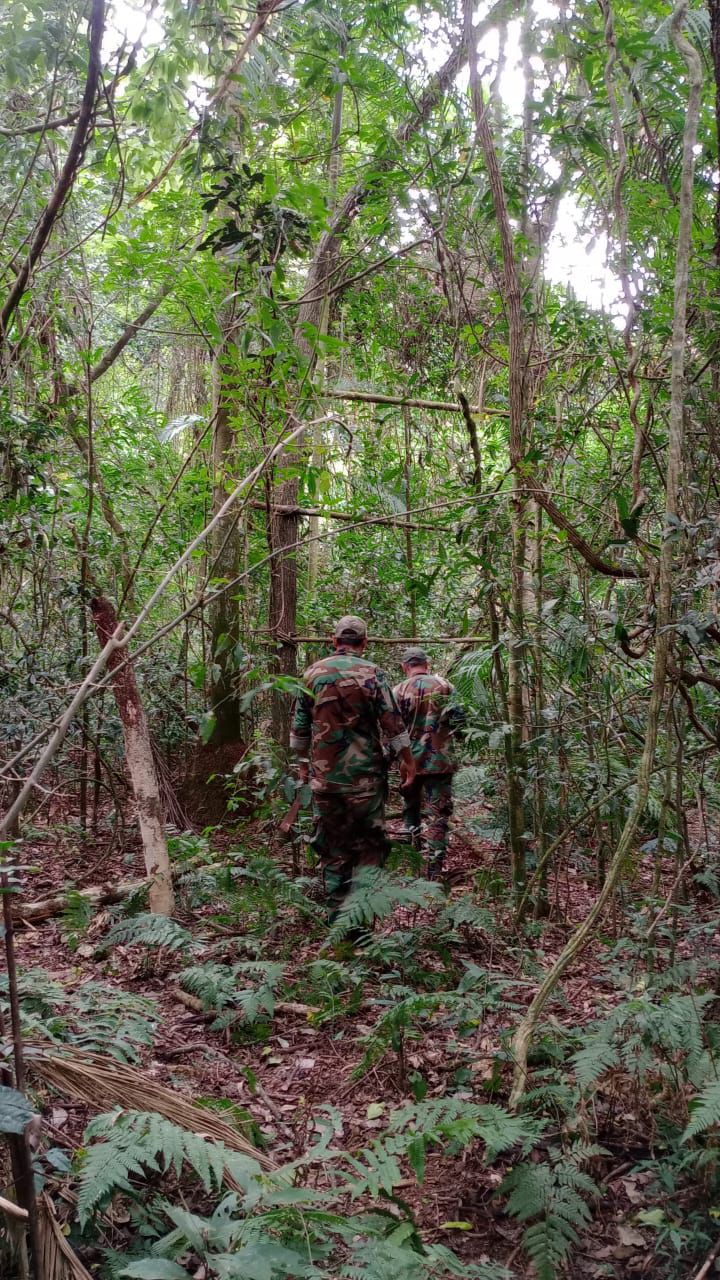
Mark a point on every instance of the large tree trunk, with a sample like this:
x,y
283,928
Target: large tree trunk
x,y
140,763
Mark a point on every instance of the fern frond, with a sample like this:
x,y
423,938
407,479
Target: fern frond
x,y
464,911
705,1111
217,986
376,894
150,930
549,1197
593,1060
134,1143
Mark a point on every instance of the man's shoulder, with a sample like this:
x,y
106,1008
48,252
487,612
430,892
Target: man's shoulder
x,y
337,665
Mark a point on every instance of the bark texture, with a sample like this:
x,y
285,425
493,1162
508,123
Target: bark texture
x,y
140,763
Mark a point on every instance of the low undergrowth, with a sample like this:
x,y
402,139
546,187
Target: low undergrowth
x,y
422,1013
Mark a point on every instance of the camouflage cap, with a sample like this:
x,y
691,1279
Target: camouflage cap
x,y
350,628
414,657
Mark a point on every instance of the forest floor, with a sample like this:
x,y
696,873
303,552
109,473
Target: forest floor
x,y
306,1056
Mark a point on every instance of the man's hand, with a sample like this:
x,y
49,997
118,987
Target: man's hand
x,y
407,767
303,772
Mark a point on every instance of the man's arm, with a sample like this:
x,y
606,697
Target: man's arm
x,y
393,726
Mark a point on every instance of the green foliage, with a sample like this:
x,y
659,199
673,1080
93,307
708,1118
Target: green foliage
x,y
217,986
650,1032
376,894
132,1144
259,890
149,930
110,1020
704,1111
76,916
551,1198
15,1111
97,1017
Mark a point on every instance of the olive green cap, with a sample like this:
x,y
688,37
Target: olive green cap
x,y
350,628
414,657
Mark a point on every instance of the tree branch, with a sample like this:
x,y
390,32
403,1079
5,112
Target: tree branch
x,y
67,176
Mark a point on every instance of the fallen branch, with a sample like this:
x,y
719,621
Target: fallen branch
x,y
94,896
12,1210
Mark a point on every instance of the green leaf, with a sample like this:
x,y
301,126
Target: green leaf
x,y
207,727
15,1111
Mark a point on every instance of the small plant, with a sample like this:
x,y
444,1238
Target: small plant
x,y
376,894
149,930
217,986
551,1198
77,913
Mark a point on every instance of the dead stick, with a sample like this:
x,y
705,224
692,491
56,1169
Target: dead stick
x,y
705,1268
12,1210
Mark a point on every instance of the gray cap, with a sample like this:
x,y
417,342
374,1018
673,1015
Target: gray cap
x,y
414,657
350,628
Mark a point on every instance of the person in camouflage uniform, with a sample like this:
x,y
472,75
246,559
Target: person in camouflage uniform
x,y
425,703
339,723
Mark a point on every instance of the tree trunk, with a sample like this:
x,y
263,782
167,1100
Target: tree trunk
x,y
225,560
141,765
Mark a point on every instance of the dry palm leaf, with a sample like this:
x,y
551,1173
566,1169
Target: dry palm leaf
x,y
57,1260
102,1082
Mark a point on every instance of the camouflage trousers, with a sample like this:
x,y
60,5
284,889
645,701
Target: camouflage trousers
x,y
428,807
349,833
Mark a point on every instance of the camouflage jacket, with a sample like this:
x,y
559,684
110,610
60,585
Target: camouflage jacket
x,y
425,703
340,721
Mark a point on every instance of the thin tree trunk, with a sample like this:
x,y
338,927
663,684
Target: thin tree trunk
x,y
224,556
714,10
68,174
333,176
524,1033
141,766
409,564
283,528
516,375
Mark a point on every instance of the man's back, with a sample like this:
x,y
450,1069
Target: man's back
x,y
423,701
340,720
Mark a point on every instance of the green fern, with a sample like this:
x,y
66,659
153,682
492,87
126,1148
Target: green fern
x,y
111,1020
134,1143
217,986
77,914
149,930
465,912
591,1062
376,894
453,1124
704,1111
551,1199
646,1034
469,783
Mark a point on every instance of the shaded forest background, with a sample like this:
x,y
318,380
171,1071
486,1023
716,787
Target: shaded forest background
x,y
287,330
